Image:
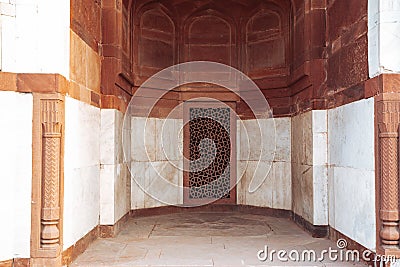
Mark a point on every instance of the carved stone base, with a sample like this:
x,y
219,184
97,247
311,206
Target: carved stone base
x,y
46,262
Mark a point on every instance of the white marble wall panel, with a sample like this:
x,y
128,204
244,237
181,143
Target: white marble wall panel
x,y
242,183
163,184
27,46
273,192
143,140
302,142
265,140
309,166
352,211
383,32
107,196
81,170
264,168
351,171
302,173
114,173
302,191
114,193
156,166
15,174
320,170
320,195
169,139
261,171
283,139
351,135
282,194
138,177
111,120
122,191
82,137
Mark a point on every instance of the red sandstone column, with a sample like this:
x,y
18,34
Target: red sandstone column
x,y
51,147
388,118
47,179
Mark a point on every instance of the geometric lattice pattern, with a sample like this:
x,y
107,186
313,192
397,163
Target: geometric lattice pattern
x,y
210,149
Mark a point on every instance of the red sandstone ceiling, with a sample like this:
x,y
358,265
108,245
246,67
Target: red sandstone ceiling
x,y
251,35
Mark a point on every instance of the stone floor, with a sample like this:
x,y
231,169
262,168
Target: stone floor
x,y
204,239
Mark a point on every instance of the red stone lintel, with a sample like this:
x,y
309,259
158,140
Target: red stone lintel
x,y
384,83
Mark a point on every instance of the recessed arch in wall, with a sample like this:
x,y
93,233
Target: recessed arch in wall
x,y
154,40
266,44
200,43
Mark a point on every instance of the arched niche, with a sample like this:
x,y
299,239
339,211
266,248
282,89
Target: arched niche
x,y
209,36
155,41
267,44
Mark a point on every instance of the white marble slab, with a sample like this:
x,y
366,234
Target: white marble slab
x,y
261,171
320,121
162,184
351,135
303,190
265,139
143,140
81,169
320,149
26,45
114,175
283,139
302,139
107,196
282,194
320,195
138,175
274,180
351,171
82,134
353,197
108,137
169,141
15,174
122,191
81,200
383,41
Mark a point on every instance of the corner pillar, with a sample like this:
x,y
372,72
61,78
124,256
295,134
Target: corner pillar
x,y
387,110
47,183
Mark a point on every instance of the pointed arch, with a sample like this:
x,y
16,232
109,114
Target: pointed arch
x,y
202,44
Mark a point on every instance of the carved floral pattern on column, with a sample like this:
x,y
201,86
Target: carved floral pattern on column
x,y
47,179
51,147
388,118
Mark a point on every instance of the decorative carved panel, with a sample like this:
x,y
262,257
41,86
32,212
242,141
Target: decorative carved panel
x,y
51,116
47,180
210,149
387,112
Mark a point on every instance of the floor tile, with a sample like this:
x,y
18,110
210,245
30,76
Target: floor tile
x,y
204,239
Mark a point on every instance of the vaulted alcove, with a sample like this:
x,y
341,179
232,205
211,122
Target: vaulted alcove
x,y
252,36
203,44
84,154
155,45
267,44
